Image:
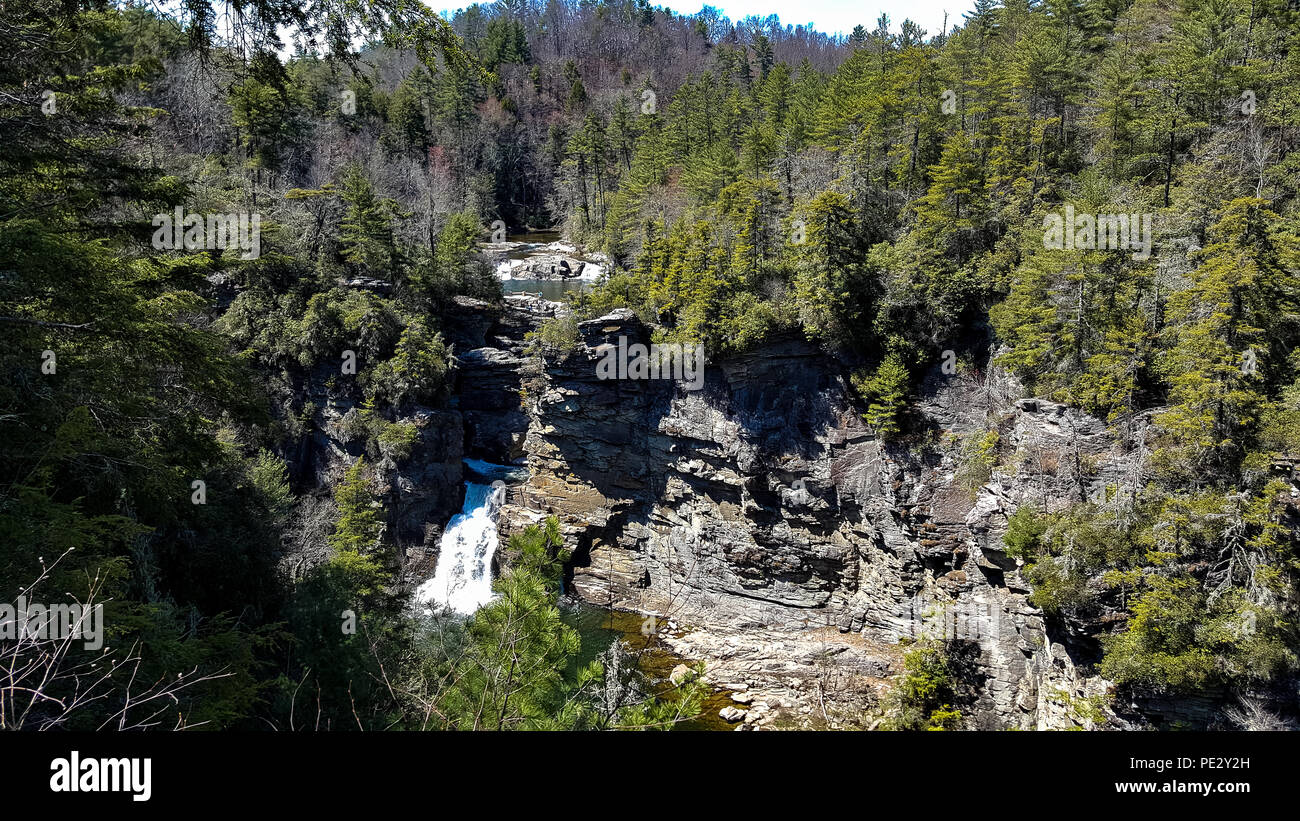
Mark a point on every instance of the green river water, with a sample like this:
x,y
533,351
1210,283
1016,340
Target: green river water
x,y
599,628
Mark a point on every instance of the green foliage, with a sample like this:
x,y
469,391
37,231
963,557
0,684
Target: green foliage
x,y
827,264
397,438
979,455
266,107
886,394
360,517
366,233
1223,325
1087,712
1160,647
271,482
406,130
856,202
99,448
506,42
1025,529
1062,552
559,332
455,267
511,675
345,629
922,696
417,370
1183,633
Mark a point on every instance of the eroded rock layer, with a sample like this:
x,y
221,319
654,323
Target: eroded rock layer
x,y
762,509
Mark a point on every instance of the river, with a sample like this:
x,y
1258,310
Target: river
x,y
556,290
545,243
600,627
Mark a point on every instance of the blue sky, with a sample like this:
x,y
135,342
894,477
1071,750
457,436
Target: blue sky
x,y
830,16
839,16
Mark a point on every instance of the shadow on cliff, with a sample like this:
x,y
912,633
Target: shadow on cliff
x,y
766,411
758,423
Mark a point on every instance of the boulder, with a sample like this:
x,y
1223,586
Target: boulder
x,y
679,674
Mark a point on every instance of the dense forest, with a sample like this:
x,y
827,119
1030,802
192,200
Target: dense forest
x,y
888,195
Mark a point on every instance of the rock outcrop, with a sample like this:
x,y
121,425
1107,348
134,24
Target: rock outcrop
x,y
547,267
762,507
550,261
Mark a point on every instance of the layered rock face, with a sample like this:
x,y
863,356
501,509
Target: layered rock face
x,y
490,361
763,511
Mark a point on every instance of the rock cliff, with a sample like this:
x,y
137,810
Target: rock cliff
x,y
799,547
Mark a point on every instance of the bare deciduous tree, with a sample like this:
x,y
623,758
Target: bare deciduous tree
x,y
48,682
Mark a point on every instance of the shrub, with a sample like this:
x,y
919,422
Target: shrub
x,y
1058,585
978,456
559,332
1025,531
923,695
886,393
417,370
397,438
270,480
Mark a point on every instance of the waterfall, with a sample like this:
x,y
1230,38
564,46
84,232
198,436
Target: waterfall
x,y
462,579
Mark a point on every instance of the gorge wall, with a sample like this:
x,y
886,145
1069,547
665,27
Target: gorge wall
x,y
798,546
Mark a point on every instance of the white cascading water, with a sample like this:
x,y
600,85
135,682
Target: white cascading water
x,y
462,579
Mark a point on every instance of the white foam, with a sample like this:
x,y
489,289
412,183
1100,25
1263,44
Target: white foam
x,y
463,578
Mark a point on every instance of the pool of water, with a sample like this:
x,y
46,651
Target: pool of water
x,y
554,290
599,628
488,472
542,236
